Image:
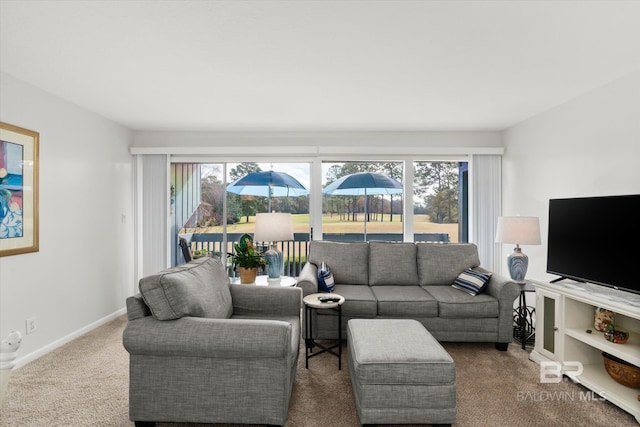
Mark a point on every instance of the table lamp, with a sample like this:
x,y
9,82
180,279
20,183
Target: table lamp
x,y
521,230
274,227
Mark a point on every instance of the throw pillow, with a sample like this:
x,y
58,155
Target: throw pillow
x,y
325,278
471,281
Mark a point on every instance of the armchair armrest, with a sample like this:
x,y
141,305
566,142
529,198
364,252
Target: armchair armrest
x,y
266,300
211,338
308,279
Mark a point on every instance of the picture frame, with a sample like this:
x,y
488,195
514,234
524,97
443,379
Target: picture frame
x,y
19,165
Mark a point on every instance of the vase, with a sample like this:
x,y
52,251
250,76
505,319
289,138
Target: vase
x,y
248,275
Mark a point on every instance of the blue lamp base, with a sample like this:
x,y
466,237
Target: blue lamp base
x,y
517,263
275,265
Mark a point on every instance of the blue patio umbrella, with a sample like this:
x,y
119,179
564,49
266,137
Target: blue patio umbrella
x,y
268,184
364,184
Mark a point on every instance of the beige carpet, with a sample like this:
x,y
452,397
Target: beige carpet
x,y
84,383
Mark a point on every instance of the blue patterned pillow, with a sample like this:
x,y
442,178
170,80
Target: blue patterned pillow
x,y
325,278
471,281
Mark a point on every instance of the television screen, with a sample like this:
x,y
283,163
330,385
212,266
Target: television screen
x,y
596,240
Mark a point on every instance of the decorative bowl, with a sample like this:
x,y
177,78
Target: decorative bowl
x,y
623,372
616,336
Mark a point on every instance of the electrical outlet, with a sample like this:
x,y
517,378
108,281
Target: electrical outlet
x,y
31,325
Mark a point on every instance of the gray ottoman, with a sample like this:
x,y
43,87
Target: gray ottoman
x,y
400,374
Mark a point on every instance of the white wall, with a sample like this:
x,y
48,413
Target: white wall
x,y
589,146
83,271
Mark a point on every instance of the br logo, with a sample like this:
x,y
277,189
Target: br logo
x,y
552,372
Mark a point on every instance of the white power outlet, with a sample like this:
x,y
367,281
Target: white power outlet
x,y
31,325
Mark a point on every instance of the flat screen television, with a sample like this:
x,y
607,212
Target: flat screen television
x,y
596,240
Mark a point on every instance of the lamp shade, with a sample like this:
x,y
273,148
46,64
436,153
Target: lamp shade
x,y
520,230
273,227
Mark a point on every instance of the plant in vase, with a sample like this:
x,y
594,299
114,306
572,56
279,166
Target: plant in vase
x,y
247,259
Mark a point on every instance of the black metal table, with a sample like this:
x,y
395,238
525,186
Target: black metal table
x,y
524,331
311,302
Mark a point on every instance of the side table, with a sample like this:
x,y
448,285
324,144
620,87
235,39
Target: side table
x,y
523,329
311,302
263,280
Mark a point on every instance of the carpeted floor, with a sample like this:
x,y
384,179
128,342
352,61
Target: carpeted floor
x,y
85,383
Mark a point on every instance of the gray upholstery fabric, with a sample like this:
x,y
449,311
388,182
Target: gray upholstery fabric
x,y
237,370
440,264
392,264
359,300
448,314
199,288
404,301
456,303
399,373
398,351
348,262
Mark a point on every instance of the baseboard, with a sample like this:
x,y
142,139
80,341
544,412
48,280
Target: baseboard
x,y
22,361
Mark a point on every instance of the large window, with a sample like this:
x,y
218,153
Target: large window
x,y
211,226
367,205
211,216
440,201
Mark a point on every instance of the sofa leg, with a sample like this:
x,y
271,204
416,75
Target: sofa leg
x,y
502,346
145,423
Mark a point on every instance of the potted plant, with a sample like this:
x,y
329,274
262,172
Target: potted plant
x,y
247,259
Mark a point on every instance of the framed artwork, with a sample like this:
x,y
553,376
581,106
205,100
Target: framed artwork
x,y
18,190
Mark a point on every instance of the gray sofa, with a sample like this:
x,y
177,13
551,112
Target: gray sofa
x,y
411,280
204,351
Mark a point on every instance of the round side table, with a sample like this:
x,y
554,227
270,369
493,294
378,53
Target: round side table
x,y
312,302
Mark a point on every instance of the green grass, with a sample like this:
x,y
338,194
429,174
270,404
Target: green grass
x,y
333,224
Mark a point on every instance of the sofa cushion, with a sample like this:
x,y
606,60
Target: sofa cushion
x,y
440,264
392,264
455,304
472,281
349,262
359,301
198,289
405,301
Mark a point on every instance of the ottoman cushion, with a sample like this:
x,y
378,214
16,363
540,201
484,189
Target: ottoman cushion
x,y
400,373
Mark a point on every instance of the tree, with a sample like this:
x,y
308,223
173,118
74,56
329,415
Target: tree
x,y
437,182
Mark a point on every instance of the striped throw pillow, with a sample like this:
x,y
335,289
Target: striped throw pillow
x,y
471,281
325,278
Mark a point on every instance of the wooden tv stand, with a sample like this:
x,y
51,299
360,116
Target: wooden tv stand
x,y
564,313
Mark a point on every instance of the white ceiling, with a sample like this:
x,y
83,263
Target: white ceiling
x,y
319,65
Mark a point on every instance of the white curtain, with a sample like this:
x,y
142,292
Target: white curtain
x,y
152,204
486,206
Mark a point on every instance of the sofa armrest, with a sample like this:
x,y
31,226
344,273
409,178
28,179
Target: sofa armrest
x,y
308,279
210,338
266,300
502,288
136,308
505,291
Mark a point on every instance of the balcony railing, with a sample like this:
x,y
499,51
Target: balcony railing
x,y
295,251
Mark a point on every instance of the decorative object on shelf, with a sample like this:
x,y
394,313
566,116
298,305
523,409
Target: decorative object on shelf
x,y
616,336
604,319
520,230
273,228
19,166
247,259
622,371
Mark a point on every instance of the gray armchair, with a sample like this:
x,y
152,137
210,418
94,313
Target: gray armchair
x,y
204,351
